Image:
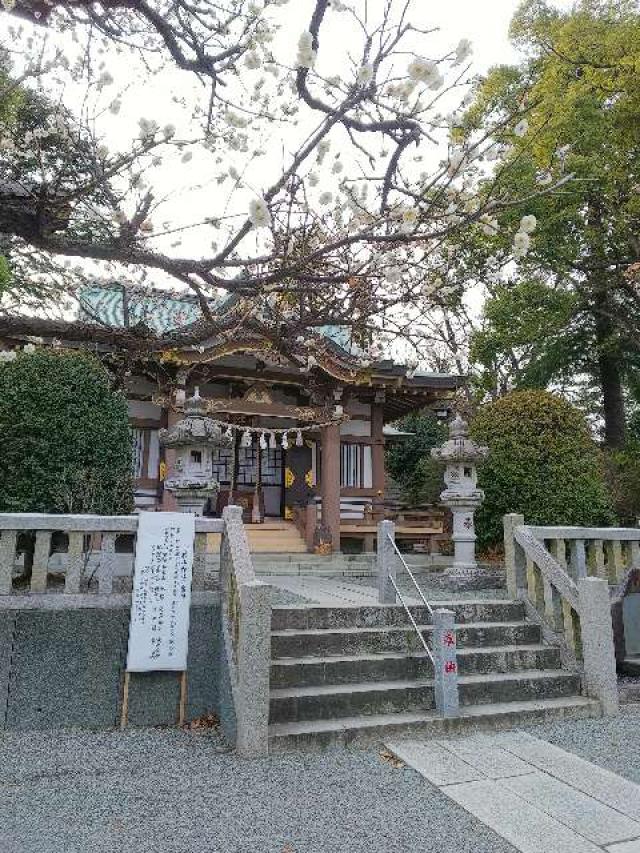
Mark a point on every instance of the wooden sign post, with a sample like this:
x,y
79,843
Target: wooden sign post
x,y
159,626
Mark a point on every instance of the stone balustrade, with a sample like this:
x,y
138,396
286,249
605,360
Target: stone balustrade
x,y
246,640
78,553
563,574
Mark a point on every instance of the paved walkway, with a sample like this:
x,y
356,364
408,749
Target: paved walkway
x,y
330,592
535,795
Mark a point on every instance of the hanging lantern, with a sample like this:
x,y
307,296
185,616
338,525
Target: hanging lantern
x,y
263,441
245,441
285,441
299,441
272,441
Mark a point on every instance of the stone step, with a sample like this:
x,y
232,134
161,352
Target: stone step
x,y
303,618
375,729
367,698
291,643
309,671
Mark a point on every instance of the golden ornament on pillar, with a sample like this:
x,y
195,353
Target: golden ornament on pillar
x,y
289,478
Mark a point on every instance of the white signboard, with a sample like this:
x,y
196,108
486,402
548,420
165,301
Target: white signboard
x,y
159,627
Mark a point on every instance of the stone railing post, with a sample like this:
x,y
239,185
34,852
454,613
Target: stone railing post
x,y
386,562
445,663
247,612
597,643
514,558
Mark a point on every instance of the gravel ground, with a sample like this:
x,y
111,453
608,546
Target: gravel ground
x,y
164,791
612,743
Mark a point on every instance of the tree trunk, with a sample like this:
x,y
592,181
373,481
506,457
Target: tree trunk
x,y
612,399
610,375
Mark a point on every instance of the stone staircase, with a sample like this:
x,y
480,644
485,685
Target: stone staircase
x,y
359,674
273,536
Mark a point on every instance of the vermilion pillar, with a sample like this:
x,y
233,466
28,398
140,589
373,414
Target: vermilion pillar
x,y
330,482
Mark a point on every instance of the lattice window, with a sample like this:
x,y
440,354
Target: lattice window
x,y
222,462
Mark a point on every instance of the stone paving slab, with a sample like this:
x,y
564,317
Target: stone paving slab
x,y
625,847
591,818
492,761
330,592
525,827
601,784
437,764
533,794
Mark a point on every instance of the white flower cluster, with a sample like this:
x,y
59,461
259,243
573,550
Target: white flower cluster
x,y
306,54
521,128
463,51
427,72
365,74
490,225
259,213
7,355
522,239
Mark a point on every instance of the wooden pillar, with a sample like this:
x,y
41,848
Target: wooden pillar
x,y
377,449
330,485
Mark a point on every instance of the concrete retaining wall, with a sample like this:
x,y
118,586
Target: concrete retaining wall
x,y
64,666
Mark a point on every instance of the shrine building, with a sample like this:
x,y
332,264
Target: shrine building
x,y
302,444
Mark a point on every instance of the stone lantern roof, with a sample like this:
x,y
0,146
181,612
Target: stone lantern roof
x,y
459,447
195,428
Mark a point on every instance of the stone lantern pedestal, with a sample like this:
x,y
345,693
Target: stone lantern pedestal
x,y
193,439
462,494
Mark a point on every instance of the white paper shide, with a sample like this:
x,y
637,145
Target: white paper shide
x,y
159,628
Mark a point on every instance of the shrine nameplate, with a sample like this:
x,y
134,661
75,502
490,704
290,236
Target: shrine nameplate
x,y
159,627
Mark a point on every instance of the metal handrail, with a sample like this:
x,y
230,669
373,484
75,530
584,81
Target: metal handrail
x,y
410,573
413,622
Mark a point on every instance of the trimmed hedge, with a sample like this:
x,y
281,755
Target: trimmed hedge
x,y
64,434
409,460
543,463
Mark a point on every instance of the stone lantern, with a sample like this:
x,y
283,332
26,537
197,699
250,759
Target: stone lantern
x,y
193,439
462,495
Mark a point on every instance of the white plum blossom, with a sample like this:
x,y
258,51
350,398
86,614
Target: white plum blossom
x,y
409,219
521,128
427,72
306,54
28,348
463,51
234,119
456,159
325,198
313,179
169,131
252,60
544,179
394,275
521,244
146,226
490,226
148,128
323,148
259,213
186,157
365,74
528,223
337,167
7,355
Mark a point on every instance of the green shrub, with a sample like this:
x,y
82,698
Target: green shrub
x,y
409,461
543,463
64,434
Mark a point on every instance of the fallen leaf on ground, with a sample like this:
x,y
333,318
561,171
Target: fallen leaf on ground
x,y
392,759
